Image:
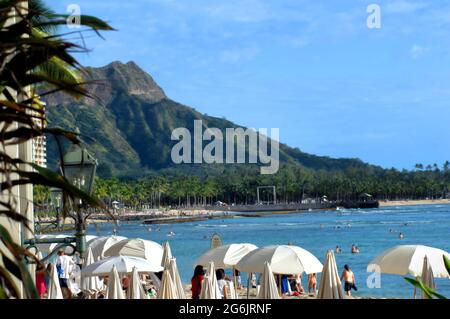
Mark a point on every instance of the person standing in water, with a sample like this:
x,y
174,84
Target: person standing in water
x,y
349,280
312,283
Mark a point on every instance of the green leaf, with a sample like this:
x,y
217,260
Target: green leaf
x,y
447,263
427,290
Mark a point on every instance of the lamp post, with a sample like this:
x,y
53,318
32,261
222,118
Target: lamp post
x,y
56,200
79,168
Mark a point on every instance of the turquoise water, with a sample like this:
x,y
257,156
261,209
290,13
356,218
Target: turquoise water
x,y
316,232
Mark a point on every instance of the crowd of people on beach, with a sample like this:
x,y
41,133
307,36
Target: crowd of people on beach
x,y
289,285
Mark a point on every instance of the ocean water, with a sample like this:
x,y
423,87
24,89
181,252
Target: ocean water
x,y
317,232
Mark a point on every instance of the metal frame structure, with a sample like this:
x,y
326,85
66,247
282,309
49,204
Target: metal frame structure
x,y
265,187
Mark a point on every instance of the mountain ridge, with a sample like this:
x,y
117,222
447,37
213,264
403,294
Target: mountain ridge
x,y
128,126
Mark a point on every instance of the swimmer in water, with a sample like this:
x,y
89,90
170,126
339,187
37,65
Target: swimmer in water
x,y
401,236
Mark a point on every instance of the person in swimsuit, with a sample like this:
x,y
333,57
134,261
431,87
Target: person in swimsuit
x,y
349,280
312,283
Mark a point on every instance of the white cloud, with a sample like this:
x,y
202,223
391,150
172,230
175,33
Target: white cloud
x,y
417,51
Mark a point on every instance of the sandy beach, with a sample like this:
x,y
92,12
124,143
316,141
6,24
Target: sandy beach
x,y
414,202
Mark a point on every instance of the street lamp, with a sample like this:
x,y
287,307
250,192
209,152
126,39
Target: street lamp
x,y
79,168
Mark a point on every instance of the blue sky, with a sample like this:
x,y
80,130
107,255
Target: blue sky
x,y
311,68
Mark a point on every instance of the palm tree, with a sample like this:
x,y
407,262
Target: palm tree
x,y
31,59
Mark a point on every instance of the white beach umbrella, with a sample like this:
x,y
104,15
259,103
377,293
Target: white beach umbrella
x,y
174,274
226,256
268,288
114,290
90,283
124,265
135,289
427,276
408,259
330,286
142,248
54,289
210,288
283,259
168,289
167,254
100,244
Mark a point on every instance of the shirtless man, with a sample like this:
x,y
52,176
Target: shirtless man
x,y
349,280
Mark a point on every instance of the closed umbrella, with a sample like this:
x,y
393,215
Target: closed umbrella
x,y
168,289
101,244
142,248
54,289
174,274
114,290
167,254
268,288
90,283
210,288
427,276
135,289
330,286
123,264
283,259
408,259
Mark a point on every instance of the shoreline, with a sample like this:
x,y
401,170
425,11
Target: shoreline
x,y
414,202
165,216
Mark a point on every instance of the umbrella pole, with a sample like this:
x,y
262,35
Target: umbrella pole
x,y
235,281
248,284
279,283
415,292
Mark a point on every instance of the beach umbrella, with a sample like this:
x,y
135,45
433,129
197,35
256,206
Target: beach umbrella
x,y
168,289
283,259
135,289
54,289
174,274
100,244
226,256
167,254
90,283
210,288
268,289
408,259
330,286
114,290
427,276
142,248
123,264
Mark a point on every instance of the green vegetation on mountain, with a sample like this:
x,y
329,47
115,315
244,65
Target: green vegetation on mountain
x,y
128,128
